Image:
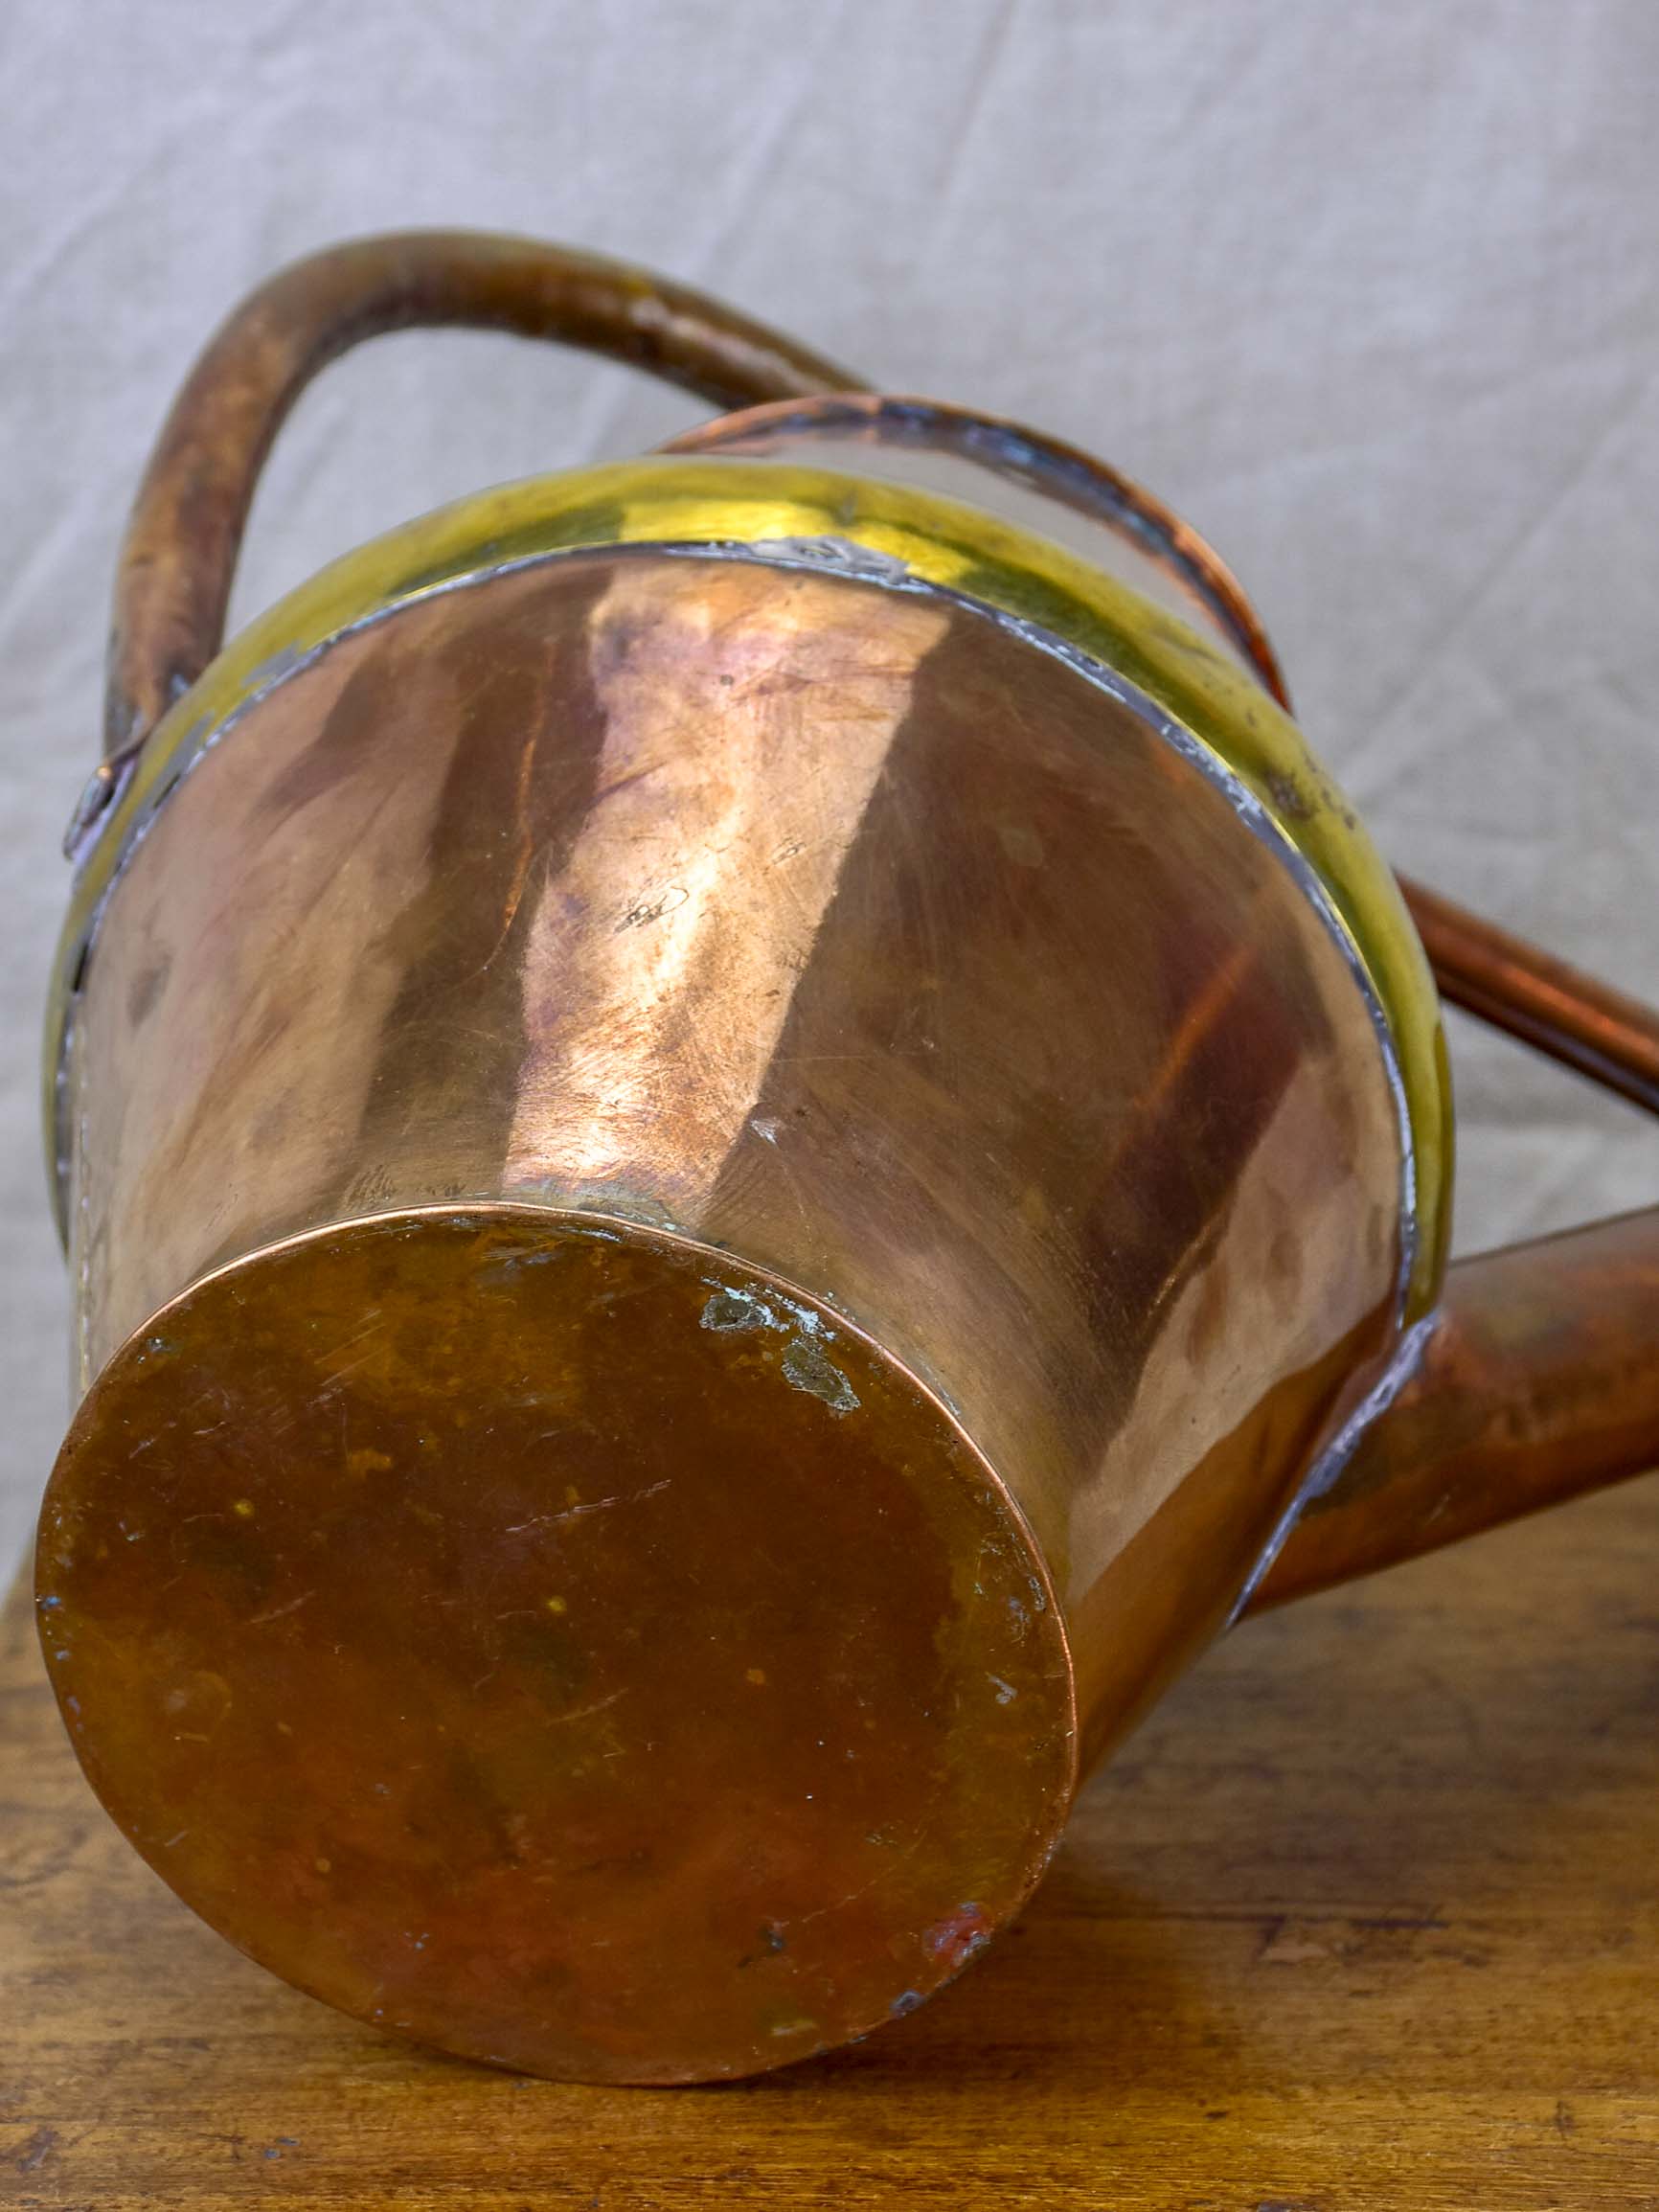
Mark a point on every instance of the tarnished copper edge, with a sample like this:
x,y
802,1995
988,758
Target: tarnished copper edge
x,y
619,1228
824,554
1075,478
1329,1462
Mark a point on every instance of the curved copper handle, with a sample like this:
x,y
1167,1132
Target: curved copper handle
x,y
173,582
1540,1375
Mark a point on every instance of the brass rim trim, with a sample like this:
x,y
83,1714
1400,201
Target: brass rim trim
x,y
887,534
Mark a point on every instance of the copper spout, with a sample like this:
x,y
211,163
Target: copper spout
x,y
1538,1381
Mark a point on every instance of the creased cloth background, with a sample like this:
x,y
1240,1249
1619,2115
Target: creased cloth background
x,y
1370,293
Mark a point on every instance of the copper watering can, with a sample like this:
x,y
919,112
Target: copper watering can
x,y
743,1138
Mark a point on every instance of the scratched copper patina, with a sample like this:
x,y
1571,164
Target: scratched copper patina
x,y
556,1642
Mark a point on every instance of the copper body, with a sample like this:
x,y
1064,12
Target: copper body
x,y
719,1214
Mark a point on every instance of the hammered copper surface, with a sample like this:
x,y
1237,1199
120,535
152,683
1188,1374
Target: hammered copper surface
x,y
824,923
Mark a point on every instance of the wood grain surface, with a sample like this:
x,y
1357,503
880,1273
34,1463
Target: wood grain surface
x,y
1366,1916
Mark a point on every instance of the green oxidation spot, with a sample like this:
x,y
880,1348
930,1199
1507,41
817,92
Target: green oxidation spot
x,y
735,1310
806,1365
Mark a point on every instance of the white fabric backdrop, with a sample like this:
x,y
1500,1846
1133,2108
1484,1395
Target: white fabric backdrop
x,y
1371,292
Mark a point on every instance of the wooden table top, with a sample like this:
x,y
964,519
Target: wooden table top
x,y
1366,1916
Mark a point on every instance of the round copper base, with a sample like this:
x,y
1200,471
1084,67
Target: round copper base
x,y
568,1645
